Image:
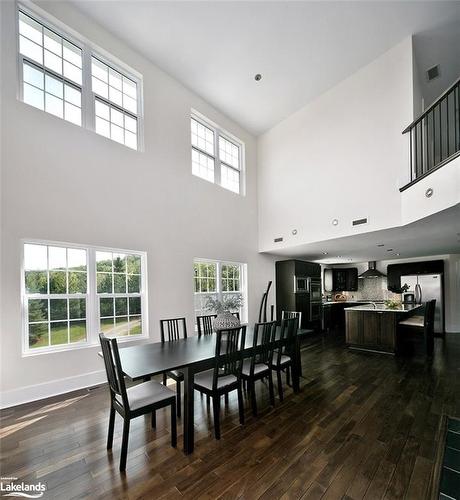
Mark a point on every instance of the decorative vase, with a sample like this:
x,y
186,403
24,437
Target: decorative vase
x,y
225,320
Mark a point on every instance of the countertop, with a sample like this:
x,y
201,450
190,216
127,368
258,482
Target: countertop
x,y
349,302
403,308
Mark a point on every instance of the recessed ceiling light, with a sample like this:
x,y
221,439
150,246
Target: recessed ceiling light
x,y
325,253
339,256
258,77
398,254
335,222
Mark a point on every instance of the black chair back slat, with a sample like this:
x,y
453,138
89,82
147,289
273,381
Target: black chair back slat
x,y
113,368
229,353
264,336
428,325
176,328
289,328
204,324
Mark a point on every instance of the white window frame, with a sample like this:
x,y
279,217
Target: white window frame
x,y
243,283
92,305
89,50
218,133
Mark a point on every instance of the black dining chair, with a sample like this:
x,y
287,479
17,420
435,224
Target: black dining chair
x,y
292,314
135,401
225,377
171,330
258,366
421,326
284,355
204,324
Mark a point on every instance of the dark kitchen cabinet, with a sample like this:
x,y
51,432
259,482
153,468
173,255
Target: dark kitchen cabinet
x,y
341,280
372,330
395,271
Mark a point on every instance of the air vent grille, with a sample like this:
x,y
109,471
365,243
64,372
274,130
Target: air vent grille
x,y
277,240
432,73
358,222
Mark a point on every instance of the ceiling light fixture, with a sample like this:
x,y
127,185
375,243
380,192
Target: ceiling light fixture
x,y
335,222
325,253
258,77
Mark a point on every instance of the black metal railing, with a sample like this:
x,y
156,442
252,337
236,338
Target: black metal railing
x,y
435,135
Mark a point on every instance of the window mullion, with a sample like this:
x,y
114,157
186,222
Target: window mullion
x,y
217,166
88,105
92,303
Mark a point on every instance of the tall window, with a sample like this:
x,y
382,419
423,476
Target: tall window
x,y
218,279
67,78
216,157
72,293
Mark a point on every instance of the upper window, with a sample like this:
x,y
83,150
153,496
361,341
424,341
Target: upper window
x,y
72,293
216,156
54,79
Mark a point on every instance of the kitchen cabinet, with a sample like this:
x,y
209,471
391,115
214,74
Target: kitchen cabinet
x,y
341,280
395,271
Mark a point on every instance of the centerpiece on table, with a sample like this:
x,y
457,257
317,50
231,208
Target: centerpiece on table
x,y
223,308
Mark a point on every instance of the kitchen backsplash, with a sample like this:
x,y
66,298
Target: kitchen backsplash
x,y
371,289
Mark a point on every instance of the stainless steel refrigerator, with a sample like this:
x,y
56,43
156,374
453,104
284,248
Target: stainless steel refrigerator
x,y
428,287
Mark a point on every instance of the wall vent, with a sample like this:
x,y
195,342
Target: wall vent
x,y
277,240
358,222
432,73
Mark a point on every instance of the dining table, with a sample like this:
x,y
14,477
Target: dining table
x,y
191,355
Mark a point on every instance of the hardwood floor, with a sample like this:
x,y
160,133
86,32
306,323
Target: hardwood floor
x,y
363,426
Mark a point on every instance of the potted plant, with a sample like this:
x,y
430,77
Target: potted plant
x,y
223,308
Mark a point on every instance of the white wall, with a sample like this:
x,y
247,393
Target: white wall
x,y
342,156
451,284
64,183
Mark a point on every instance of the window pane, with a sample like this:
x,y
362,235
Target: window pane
x,y
77,331
38,310
119,263
36,282
102,110
72,95
106,307
58,282
134,283
35,257
59,333
229,152
33,75
72,53
134,305
116,117
77,282
104,283
53,42
33,96
53,62
77,308
130,140
100,88
116,133
72,72
76,259
129,88
104,261
115,96
121,327
102,127
119,283
135,325
72,114
121,306
107,326
54,105
115,79
230,178
30,28
57,258
130,104
130,124
54,86
38,335
58,309
30,50
99,70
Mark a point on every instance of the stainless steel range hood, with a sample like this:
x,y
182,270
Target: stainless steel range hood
x,y
372,272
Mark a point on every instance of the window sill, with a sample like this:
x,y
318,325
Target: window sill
x,y
67,348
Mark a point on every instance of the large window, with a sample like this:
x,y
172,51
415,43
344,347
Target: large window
x,y
67,78
71,293
216,156
218,279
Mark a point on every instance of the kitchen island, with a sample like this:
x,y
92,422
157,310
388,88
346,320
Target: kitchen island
x,y
373,327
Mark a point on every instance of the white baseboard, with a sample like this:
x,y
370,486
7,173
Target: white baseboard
x,y
35,392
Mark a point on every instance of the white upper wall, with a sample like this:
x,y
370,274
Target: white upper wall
x,y
343,156
65,183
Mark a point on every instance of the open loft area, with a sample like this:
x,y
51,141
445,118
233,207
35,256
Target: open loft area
x,y
230,249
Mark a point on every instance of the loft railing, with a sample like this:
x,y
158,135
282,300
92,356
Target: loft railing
x,y
435,135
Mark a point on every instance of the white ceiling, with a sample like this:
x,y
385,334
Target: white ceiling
x,y
434,235
301,48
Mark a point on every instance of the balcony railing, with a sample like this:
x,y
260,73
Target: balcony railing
x,y
435,135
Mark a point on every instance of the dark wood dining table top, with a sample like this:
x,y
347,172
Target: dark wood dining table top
x,y
153,358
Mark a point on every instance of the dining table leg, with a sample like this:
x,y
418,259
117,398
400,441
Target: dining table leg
x,y
188,416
